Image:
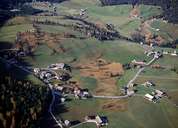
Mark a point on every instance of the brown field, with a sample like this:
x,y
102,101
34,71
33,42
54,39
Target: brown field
x,y
113,105
53,41
105,73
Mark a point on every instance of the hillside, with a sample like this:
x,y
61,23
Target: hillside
x,y
78,59
170,7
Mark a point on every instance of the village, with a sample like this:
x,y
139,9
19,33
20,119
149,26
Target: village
x,y
64,88
104,66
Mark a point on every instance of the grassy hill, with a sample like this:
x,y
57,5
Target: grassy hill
x,y
133,112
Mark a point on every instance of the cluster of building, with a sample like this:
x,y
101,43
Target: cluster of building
x,y
148,84
155,96
83,11
62,89
65,89
14,54
157,54
81,93
138,63
170,53
99,120
49,72
61,66
45,74
128,91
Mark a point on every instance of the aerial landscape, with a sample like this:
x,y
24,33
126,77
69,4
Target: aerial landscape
x,y
89,64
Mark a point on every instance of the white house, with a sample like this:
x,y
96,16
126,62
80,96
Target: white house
x,y
56,66
36,70
174,53
138,62
148,83
99,120
149,97
165,53
159,93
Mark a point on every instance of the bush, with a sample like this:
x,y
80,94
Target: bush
x,y
137,36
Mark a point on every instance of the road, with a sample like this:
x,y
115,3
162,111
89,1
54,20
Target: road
x,y
59,122
129,83
135,77
110,97
140,70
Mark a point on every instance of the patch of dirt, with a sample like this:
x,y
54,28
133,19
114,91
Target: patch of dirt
x,y
114,105
149,36
145,27
107,87
105,74
34,38
173,96
100,25
135,12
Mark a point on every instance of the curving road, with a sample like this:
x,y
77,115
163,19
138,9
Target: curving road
x,y
128,84
59,122
141,69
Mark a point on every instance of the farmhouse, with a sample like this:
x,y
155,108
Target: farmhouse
x,y
36,71
81,93
83,12
159,93
62,66
165,52
141,63
64,77
174,53
149,97
130,92
99,120
150,53
148,84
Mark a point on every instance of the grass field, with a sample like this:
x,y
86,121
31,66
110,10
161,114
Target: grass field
x,y
103,14
139,113
168,31
8,33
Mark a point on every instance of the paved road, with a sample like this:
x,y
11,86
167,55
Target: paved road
x,y
140,70
110,97
135,77
59,122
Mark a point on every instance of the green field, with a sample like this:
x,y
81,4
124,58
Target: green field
x,y
8,33
168,31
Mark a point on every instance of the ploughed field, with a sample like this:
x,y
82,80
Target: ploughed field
x,y
59,41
